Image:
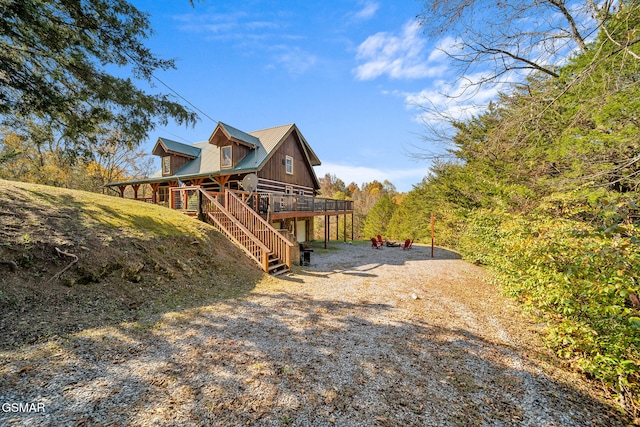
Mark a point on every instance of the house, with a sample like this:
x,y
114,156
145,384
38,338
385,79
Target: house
x,y
237,180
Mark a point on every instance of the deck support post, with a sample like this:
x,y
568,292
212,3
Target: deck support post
x,y
326,230
344,226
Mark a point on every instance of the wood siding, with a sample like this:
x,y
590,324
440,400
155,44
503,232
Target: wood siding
x,y
177,162
275,169
238,152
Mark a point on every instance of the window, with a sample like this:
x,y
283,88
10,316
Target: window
x,y
163,194
227,159
166,165
289,165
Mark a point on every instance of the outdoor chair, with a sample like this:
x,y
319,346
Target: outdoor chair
x,y
407,244
375,244
380,239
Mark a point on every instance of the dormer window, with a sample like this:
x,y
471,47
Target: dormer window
x,y
166,165
289,165
226,160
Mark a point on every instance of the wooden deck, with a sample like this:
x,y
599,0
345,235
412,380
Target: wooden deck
x,y
271,206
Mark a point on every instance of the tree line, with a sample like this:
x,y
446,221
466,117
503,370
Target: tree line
x,y
543,187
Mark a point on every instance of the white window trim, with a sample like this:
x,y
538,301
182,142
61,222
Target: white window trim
x,y
222,162
288,161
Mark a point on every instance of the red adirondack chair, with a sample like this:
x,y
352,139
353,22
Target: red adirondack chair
x,y
380,239
407,244
374,243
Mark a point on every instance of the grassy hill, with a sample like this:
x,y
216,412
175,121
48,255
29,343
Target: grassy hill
x,y
133,260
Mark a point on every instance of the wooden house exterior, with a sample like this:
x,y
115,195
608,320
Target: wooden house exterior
x,y
191,176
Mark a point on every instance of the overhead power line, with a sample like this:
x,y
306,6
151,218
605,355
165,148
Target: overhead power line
x,y
184,99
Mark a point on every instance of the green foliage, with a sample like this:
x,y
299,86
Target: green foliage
x,y
545,191
580,276
379,216
54,57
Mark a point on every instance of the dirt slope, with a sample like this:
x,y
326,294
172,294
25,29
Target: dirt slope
x,y
134,259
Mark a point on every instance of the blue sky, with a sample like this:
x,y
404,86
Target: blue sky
x,y
348,72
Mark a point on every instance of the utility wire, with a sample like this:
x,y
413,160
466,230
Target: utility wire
x,y
177,136
184,99
173,90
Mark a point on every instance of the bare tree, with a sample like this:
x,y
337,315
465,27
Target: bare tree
x,y
495,40
518,43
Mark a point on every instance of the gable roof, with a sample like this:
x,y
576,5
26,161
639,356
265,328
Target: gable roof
x,y
175,147
205,156
236,135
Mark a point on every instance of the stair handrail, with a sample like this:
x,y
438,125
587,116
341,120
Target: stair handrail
x,y
263,260
281,246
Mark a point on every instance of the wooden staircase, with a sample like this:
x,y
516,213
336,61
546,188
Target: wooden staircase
x,y
244,227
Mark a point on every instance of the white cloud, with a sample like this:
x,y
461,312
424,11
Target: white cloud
x,y
294,60
400,56
403,179
368,11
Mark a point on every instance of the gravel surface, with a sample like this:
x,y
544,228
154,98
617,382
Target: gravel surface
x,y
362,337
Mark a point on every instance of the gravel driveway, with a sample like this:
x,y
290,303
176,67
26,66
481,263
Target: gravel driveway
x,y
362,337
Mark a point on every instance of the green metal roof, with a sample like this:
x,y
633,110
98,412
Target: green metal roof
x,y
179,147
239,135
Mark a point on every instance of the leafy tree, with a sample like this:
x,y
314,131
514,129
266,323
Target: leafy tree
x,y
379,216
330,185
543,187
53,69
38,157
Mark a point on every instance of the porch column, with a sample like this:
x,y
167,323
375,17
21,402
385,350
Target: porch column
x,y
172,201
135,190
154,192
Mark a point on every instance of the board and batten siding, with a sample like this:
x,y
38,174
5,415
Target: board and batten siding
x,y
238,152
275,168
177,162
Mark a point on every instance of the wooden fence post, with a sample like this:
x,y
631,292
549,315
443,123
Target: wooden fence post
x,y
432,233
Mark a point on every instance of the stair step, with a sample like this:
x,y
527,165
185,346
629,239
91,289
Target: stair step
x,y
279,272
276,266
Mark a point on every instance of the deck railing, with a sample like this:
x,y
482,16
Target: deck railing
x,y
281,203
259,227
186,199
264,203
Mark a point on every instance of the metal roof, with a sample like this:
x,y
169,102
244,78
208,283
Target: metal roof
x,y
179,147
239,135
206,159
